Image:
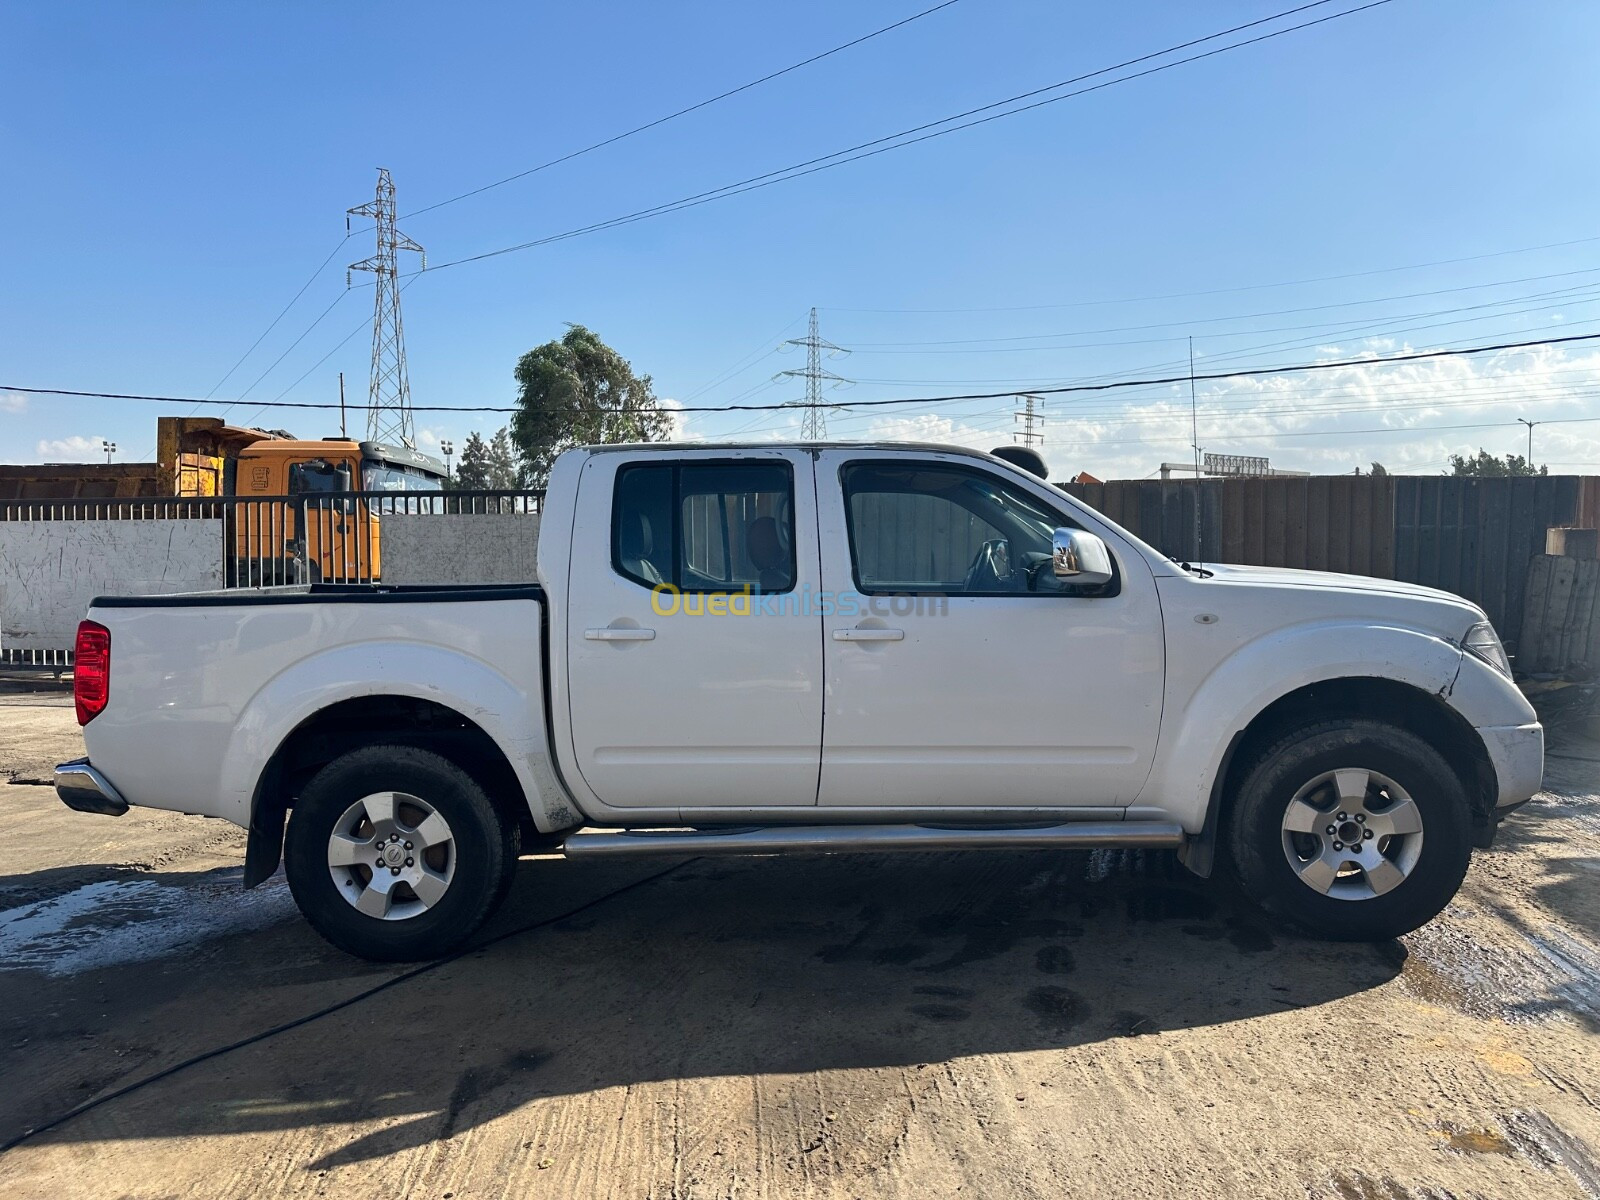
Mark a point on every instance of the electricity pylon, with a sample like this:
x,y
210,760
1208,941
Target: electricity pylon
x,y
814,425
1029,416
389,397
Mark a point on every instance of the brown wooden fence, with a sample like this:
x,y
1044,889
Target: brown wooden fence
x,y
1473,537
1321,523
1476,537
1560,625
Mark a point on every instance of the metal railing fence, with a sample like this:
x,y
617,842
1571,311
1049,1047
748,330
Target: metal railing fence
x,y
169,508
275,541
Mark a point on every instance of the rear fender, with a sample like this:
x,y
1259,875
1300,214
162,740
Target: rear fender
x,y
511,715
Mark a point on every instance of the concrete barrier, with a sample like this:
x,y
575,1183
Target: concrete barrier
x,y
458,547
49,571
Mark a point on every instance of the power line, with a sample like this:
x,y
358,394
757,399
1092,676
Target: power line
x,y
293,300
683,112
767,348
240,398
1296,433
1382,327
886,347
338,346
1363,332
1063,389
904,137
1114,385
576,154
1249,287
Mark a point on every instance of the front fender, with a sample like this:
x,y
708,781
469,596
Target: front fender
x,y
511,715
1205,714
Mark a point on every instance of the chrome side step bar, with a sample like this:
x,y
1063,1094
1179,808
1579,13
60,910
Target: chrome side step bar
x,y
857,839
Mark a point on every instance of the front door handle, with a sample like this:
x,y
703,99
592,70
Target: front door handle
x,y
869,635
619,635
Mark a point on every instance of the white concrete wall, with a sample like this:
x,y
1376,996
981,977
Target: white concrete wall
x,y
458,548
49,571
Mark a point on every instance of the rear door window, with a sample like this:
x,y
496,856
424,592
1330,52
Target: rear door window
x,y
705,527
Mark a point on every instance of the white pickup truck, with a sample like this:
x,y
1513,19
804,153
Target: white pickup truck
x,y
769,649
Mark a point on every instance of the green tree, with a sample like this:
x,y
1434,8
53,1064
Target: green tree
x,y
505,472
1487,466
579,391
489,465
476,465
1379,469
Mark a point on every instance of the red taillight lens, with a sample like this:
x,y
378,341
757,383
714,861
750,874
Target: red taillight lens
x,y
91,670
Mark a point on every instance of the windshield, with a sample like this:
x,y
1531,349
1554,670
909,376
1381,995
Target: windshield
x,y
1019,506
391,477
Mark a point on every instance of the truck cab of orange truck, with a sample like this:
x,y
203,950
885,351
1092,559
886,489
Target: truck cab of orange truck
x,y
321,533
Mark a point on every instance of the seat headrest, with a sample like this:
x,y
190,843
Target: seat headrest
x,y
763,545
637,539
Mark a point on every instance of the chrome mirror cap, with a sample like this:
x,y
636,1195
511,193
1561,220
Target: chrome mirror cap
x,y
1080,558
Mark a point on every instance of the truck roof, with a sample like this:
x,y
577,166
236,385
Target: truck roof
x,y
942,447
402,456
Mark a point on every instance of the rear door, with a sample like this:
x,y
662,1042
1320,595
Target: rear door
x,y
694,668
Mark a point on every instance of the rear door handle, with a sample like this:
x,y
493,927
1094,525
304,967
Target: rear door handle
x,y
619,635
869,635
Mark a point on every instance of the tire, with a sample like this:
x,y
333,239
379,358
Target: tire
x,y
1411,861
452,852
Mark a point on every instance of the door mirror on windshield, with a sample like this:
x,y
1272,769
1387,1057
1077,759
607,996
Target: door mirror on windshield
x,y
344,482
1080,558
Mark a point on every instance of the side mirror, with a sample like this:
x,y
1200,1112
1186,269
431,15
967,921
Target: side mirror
x,y
1080,558
344,482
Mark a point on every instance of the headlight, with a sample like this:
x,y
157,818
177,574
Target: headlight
x,y
1484,642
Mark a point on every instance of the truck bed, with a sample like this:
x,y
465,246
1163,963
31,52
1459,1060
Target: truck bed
x,y
205,687
331,593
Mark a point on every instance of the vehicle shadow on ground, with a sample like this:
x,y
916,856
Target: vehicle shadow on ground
x,y
734,967
1565,817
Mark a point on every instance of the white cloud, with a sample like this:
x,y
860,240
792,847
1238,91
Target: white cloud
x,y
71,449
680,420
1406,415
13,402
1332,421
931,427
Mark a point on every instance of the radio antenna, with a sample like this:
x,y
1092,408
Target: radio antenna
x,y
1194,441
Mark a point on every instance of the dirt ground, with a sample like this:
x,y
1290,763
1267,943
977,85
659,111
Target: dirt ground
x,y
997,1024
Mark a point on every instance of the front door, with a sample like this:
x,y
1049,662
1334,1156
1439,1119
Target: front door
x,y
695,673
959,671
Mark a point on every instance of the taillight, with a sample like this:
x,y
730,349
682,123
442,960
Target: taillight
x,y
91,670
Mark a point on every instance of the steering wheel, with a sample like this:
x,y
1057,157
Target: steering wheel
x,y
991,567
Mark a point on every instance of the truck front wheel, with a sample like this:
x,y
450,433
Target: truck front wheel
x,y
1351,829
396,854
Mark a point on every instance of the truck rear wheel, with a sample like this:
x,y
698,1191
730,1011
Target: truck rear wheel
x,y
395,854
1351,829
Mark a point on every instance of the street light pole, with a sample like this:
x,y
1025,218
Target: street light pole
x,y
449,449
1530,425
110,448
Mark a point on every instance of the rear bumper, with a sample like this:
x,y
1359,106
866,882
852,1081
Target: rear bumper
x,y
83,788
1517,754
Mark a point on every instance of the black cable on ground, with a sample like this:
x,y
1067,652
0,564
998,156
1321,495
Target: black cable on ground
x,y
329,1010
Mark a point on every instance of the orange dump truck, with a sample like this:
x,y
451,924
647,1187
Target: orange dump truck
x,y
297,527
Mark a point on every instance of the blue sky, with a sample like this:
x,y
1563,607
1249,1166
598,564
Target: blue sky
x,y
175,171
